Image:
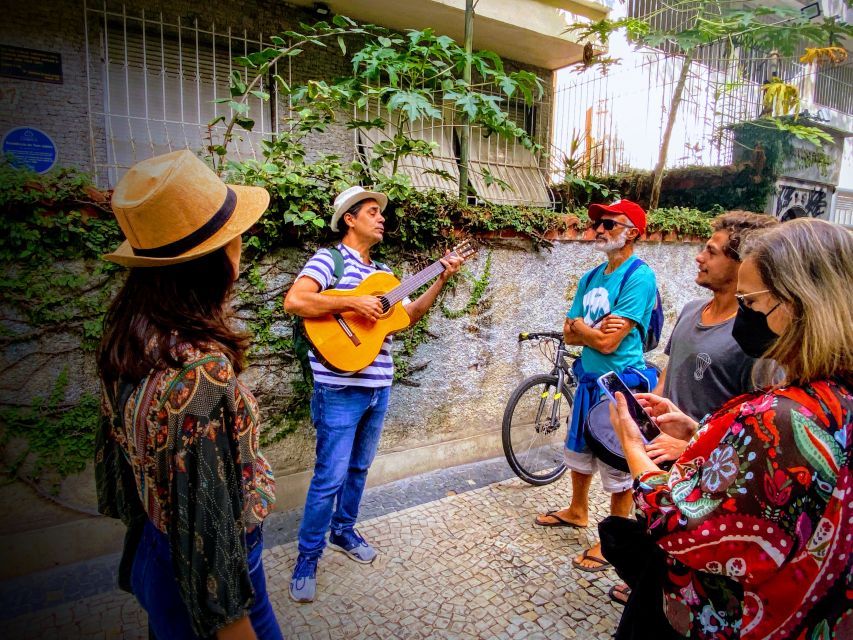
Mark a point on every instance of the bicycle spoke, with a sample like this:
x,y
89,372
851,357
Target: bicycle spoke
x,y
534,446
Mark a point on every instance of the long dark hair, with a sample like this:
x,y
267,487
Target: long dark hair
x,y
159,307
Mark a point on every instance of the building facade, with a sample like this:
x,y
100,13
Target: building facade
x,y
112,82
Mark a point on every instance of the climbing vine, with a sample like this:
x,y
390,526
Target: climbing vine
x,y
56,440
479,286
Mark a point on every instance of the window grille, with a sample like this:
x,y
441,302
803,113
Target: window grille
x,y
502,158
722,88
157,83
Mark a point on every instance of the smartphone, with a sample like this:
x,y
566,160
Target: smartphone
x,y
610,383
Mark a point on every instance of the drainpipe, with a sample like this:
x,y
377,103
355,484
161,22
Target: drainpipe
x,y
465,131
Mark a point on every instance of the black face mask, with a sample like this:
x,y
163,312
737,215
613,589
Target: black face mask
x,y
751,331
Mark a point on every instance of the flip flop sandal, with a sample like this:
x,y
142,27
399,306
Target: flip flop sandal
x,y
561,522
601,563
620,593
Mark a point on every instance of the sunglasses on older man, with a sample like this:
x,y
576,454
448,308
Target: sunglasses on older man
x,y
609,225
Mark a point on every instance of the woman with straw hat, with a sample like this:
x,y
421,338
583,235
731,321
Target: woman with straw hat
x,y
177,454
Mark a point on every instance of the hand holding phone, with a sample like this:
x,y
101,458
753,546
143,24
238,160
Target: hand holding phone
x,y
610,383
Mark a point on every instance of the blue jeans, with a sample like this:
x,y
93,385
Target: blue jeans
x,y
349,422
155,587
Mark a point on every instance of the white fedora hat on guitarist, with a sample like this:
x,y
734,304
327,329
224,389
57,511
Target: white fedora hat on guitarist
x,y
173,208
352,196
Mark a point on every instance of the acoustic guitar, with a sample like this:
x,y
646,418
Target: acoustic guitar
x,y
348,341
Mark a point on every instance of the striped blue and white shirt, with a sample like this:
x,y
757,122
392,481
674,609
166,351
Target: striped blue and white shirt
x,y
321,267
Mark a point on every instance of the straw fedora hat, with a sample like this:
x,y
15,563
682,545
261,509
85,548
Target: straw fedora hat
x,y
352,195
173,208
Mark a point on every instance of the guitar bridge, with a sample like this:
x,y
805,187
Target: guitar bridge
x,y
349,333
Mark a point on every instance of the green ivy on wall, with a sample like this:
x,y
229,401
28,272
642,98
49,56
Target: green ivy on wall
x,y
55,228
58,440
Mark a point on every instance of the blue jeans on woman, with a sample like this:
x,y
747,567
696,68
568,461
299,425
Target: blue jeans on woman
x,y
349,422
155,587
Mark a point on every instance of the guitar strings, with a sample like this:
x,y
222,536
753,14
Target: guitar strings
x,y
409,285
399,292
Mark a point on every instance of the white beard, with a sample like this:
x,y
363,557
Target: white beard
x,y
609,246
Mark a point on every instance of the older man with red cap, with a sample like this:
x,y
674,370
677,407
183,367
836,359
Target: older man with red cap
x,y
612,307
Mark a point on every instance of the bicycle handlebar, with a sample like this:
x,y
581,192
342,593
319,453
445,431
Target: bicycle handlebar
x,y
535,335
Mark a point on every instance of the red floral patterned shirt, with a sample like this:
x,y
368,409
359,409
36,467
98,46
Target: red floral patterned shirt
x,y
763,495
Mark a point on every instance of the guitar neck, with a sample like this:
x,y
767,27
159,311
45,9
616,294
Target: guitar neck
x,y
409,285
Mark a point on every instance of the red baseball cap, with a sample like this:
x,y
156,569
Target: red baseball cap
x,y
631,210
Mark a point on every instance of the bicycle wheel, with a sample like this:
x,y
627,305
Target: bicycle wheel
x,y
534,430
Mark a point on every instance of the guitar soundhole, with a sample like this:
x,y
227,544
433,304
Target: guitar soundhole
x,y
385,304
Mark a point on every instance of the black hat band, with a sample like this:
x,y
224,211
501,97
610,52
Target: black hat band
x,y
204,232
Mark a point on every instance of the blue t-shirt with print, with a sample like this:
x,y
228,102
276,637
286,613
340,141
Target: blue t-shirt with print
x,y
635,302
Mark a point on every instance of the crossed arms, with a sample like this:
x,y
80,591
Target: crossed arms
x,y
605,338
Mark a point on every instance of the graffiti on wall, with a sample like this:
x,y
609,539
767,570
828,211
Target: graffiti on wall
x,y
798,201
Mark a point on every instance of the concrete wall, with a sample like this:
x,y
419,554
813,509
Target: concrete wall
x,y
452,417
454,413
472,364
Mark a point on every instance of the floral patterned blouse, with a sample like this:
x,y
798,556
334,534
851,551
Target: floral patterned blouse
x,y
763,495
190,436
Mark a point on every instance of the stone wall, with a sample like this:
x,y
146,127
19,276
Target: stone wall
x,y
474,362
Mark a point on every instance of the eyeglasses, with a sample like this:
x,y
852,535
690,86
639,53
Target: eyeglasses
x,y
741,297
741,300
610,224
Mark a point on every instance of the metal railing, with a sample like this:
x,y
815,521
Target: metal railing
x,y
609,121
490,155
842,212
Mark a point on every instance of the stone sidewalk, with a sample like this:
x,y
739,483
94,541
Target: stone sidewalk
x,y
469,565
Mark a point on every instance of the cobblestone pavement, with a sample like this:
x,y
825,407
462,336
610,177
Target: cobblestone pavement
x,y
468,565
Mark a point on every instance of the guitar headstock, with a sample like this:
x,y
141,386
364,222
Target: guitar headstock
x,y
465,249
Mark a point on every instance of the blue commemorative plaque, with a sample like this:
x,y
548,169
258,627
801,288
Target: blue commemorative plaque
x,y
30,148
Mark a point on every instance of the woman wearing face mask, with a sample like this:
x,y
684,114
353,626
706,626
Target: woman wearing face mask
x,y
177,454
750,534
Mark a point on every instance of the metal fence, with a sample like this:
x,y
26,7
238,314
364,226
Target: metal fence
x,y
607,121
494,161
154,82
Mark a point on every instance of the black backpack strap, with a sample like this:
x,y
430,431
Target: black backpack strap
x,y
338,271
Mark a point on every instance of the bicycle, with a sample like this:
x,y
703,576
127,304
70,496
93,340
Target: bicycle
x,y
537,414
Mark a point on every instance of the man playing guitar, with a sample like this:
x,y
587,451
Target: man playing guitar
x,y
347,407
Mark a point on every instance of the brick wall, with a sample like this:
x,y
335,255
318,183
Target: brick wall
x,y
62,111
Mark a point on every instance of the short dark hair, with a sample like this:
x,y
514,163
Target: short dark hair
x,y
739,224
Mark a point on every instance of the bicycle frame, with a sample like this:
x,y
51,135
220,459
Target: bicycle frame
x,y
561,369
